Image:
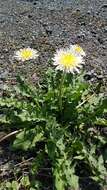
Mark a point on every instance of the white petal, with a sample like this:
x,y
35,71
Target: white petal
x,y
77,70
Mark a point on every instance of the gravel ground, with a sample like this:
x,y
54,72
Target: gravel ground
x,y
50,24
47,25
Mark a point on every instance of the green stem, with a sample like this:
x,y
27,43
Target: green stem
x,y
61,91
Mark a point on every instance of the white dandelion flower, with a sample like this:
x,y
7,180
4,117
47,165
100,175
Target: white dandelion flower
x,y
26,54
67,60
78,50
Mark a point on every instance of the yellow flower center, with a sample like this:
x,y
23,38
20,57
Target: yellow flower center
x,y
78,49
26,54
68,60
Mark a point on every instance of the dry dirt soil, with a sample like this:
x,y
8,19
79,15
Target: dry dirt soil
x,y
50,24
